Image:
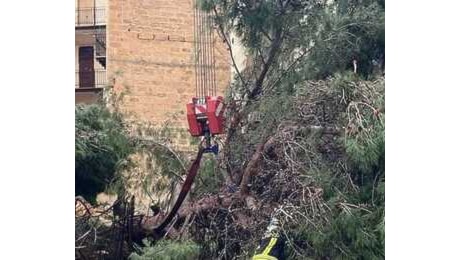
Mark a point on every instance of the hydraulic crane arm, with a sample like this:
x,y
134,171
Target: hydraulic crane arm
x,y
192,172
205,113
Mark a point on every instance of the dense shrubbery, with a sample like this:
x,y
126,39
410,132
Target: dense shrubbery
x,y
109,159
101,147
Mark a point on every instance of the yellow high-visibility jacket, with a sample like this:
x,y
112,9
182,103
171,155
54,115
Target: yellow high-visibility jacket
x,y
273,250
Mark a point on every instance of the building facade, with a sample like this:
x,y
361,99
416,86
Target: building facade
x,y
90,50
144,50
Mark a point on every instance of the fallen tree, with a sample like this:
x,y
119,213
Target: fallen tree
x,y
305,141
322,166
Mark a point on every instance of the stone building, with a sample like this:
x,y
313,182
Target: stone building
x,y
90,50
143,49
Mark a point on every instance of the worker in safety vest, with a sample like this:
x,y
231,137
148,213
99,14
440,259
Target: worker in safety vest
x,y
271,247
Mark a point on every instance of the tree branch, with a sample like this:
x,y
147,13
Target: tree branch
x,y
274,49
251,168
290,67
229,46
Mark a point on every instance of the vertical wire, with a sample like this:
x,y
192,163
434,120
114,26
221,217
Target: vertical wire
x,y
202,52
195,54
211,63
205,47
209,54
205,56
213,68
208,29
199,51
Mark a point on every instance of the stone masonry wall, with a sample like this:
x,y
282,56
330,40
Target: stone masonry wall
x,y
150,58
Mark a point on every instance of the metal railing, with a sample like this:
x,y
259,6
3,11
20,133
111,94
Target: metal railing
x,y
90,16
100,36
91,79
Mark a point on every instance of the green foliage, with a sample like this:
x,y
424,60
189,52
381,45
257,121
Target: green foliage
x,y
210,178
301,73
261,119
167,250
293,41
270,107
349,236
366,153
249,20
357,229
348,166
355,30
101,147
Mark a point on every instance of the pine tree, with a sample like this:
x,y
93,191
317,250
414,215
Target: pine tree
x,y
101,146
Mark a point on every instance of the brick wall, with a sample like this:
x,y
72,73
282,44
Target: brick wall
x,y
90,3
150,57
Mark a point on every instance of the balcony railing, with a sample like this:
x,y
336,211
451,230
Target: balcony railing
x,y
90,16
91,79
100,36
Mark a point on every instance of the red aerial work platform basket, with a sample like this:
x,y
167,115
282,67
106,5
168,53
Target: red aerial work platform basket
x,y
206,116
